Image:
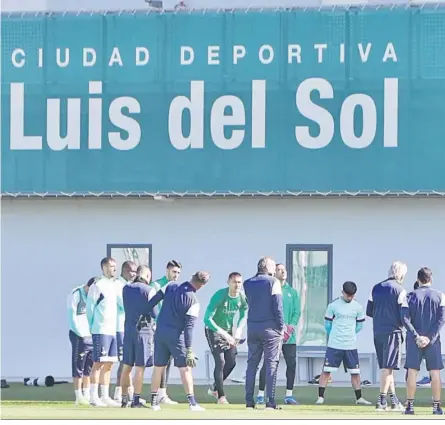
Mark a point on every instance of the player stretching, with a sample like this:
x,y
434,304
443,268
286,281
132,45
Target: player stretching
x,y
343,320
128,273
384,306
138,339
218,320
424,316
174,334
292,313
102,317
173,270
81,342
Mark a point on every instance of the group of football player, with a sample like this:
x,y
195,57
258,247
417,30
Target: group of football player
x,y
143,323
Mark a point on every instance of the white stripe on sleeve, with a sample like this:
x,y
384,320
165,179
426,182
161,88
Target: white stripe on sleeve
x,y
193,310
403,300
402,297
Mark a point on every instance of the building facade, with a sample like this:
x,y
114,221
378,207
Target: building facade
x,y
317,142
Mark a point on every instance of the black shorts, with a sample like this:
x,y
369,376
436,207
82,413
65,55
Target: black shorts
x,y
217,343
388,348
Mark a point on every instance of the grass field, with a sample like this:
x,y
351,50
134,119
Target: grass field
x,y
20,402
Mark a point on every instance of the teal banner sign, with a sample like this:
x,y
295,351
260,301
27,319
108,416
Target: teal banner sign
x,y
339,100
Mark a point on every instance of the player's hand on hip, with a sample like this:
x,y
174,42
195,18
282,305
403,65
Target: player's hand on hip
x,y
190,359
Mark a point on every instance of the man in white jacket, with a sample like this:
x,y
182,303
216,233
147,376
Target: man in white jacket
x,y
101,312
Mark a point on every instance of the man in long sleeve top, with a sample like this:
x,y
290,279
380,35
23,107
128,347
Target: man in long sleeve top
x,y
219,323
128,274
344,319
172,273
265,327
81,342
292,313
101,312
423,313
174,334
138,336
384,306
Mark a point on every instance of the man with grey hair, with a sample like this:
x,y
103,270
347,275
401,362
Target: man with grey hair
x,y
385,307
265,325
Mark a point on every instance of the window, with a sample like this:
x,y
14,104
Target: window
x,y
139,253
310,273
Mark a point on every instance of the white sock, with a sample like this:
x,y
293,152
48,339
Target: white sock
x,y
105,391
118,392
261,393
86,393
288,393
162,392
94,388
130,393
78,394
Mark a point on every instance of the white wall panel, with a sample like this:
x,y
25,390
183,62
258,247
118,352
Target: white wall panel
x,y
50,246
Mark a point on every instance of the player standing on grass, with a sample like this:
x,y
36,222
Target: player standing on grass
x,y
424,316
265,327
344,319
292,313
174,334
138,338
426,380
128,273
384,306
173,270
218,320
81,342
102,317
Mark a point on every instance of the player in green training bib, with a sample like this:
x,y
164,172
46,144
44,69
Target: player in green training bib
x,y
219,320
172,272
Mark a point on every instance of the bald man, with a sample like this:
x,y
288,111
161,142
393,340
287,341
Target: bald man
x,y
138,336
128,274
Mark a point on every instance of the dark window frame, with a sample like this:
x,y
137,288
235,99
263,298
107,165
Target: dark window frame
x,y
290,248
148,246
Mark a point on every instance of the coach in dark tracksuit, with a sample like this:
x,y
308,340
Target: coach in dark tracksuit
x,y
265,325
385,307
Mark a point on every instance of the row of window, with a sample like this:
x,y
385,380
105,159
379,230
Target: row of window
x,y
309,272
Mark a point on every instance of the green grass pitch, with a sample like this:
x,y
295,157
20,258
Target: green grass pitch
x,y
20,402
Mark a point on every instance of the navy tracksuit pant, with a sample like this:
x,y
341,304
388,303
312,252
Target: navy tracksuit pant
x,y
259,341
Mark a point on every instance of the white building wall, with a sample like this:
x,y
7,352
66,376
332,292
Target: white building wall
x,y
50,246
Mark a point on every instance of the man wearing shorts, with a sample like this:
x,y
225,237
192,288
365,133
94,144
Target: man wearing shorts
x,y
384,306
81,342
138,336
424,316
344,319
174,334
172,272
128,273
102,318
